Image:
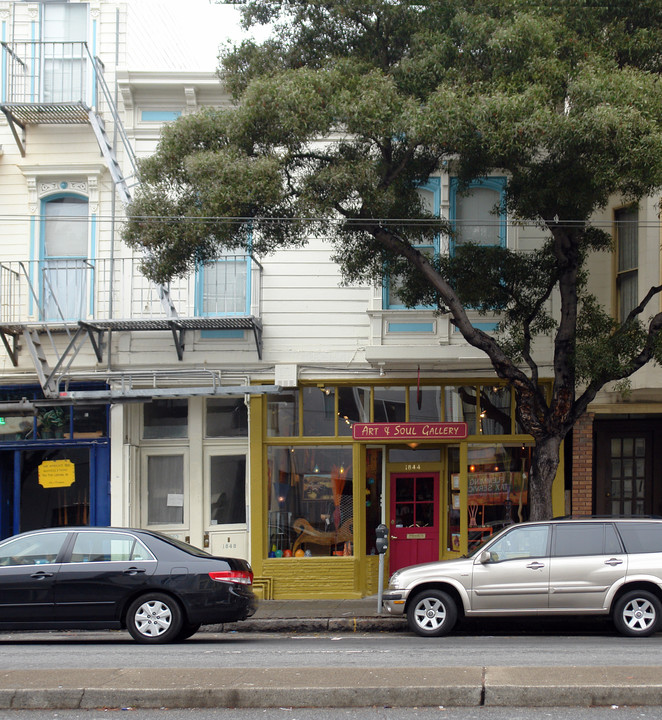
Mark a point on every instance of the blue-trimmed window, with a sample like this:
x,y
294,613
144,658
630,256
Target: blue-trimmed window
x,y
430,193
159,115
64,272
472,212
224,286
66,71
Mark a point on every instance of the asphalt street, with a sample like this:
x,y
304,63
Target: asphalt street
x,y
78,671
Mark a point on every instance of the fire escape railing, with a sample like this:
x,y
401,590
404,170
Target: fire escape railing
x,y
62,83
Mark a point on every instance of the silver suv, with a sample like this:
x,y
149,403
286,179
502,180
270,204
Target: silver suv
x,y
561,567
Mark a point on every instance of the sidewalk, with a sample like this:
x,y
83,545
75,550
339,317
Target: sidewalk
x,y
360,615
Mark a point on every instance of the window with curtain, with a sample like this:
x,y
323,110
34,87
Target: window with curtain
x,y
430,196
65,267
64,59
165,490
223,285
478,212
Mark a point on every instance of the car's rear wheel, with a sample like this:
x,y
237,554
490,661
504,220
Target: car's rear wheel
x,y
188,630
154,618
432,613
637,613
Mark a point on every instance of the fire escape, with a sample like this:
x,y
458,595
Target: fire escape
x,y
61,83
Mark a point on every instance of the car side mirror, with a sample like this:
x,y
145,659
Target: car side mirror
x,y
485,557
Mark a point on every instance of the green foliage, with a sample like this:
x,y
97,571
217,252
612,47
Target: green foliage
x,y
354,103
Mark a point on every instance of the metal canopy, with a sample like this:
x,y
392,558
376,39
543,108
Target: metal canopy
x,y
178,326
51,377
39,113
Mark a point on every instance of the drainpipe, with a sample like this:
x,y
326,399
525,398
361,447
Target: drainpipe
x,y
113,199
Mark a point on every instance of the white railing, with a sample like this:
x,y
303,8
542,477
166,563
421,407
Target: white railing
x,y
68,290
48,72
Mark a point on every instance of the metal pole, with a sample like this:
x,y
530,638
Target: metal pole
x,y
380,587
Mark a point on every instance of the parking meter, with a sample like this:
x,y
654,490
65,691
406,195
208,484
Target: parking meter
x,y
381,543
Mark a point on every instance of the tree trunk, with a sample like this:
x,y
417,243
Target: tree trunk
x,y
546,456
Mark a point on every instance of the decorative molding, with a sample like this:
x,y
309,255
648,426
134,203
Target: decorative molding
x,y
191,100
33,12
43,180
46,188
93,193
127,97
60,172
32,195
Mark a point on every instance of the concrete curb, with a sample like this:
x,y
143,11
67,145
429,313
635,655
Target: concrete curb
x,y
297,625
331,687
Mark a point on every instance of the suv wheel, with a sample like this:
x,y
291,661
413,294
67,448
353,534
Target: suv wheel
x,y
432,613
637,613
154,618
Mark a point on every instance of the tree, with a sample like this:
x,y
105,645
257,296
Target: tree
x,y
352,104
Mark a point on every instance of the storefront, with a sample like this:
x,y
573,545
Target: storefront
x,y
54,465
444,466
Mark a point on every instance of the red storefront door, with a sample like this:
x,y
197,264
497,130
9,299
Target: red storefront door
x,y
414,521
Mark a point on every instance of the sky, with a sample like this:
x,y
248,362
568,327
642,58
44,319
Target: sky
x,y
179,34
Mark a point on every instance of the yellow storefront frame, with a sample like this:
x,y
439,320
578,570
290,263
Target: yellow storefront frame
x,y
354,576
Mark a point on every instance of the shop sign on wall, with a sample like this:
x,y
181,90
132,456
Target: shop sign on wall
x,y
57,473
410,431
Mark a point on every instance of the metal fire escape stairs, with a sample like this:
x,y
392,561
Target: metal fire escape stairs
x,y
21,111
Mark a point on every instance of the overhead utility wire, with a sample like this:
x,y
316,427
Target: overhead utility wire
x,y
426,222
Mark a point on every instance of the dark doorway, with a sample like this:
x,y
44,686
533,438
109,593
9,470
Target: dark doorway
x,y
625,465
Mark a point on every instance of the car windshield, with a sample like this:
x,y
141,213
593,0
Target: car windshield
x,y
191,549
476,549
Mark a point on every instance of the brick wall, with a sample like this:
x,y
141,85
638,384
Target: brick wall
x,y
582,466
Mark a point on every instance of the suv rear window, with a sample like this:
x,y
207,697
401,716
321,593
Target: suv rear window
x,y
585,539
641,537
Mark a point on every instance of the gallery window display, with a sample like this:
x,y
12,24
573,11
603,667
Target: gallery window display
x,y
310,501
497,488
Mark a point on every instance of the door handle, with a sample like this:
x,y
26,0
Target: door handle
x,y
536,565
41,575
613,562
133,571
393,537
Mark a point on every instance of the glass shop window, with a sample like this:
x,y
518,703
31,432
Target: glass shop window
x,y
373,497
424,404
390,404
310,502
460,406
453,484
283,414
353,407
226,417
90,421
319,410
497,488
495,410
416,454
165,419
227,489
165,490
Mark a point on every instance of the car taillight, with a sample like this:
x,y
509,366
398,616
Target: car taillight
x,y
241,577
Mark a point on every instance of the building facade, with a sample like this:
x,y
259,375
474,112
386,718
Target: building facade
x,y
616,460
256,407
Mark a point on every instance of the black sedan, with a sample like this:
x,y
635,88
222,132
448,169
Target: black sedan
x,y
159,589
